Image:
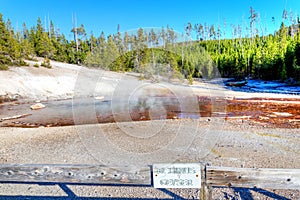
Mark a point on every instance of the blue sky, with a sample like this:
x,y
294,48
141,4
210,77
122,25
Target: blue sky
x,y
105,15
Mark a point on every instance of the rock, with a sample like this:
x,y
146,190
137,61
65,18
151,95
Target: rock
x,y
99,98
236,83
273,115
263,118
9,97
283,114
70,93
37,106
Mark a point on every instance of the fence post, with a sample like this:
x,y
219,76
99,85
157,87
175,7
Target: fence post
x,y
205,190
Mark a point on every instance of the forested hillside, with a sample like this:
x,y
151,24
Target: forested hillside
x,y
249,52
265,57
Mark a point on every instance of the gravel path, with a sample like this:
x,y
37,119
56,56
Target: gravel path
x,y
231,144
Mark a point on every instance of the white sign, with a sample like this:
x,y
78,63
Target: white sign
x,y
177,175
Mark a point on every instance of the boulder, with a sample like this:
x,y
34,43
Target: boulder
x,y
37,106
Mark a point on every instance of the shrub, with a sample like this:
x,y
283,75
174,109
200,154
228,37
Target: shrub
x,y
32,58
22,63
3,67
46,63
36,65
190,79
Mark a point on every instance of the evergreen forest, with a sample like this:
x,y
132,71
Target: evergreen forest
x,y
200,51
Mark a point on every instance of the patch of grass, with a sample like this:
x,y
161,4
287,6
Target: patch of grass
x,y
141,77
36,65
3,67
269,135
215,152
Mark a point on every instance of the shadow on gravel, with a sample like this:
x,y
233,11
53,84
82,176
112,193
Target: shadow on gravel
x,y
245,194
71,195
238,193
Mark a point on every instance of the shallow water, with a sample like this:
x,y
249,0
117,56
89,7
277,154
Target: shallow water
x,y
89,110
268,87
274,112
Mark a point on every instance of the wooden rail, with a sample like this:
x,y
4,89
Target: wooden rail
x,y
253,178
97,174
75,174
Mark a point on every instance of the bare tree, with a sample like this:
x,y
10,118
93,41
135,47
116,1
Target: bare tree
x,y
253,18
74,30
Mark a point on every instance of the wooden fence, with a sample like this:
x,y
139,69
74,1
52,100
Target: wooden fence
x,y
97,174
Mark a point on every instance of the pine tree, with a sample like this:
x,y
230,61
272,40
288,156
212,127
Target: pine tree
x,y
4,44
9,46
92,42
111,54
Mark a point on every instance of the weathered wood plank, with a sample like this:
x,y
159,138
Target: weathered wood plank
x,y
15,117
75,174
97,174
251,178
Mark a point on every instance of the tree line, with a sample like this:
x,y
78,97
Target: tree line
x,y
201,51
